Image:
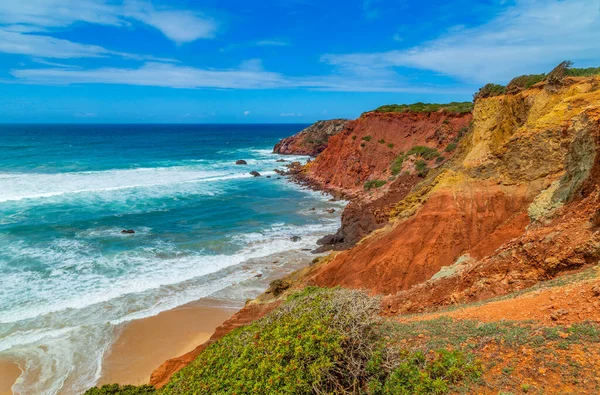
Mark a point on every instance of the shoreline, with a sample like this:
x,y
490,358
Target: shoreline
x,y
142,345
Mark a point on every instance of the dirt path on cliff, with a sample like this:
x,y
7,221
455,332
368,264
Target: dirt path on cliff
x,y
555,305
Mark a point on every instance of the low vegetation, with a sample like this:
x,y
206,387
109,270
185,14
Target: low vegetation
x,y
116,389
421,151
374,184
523,82
421,168
322,341
554,78
396,166
454,107
489,90
367,138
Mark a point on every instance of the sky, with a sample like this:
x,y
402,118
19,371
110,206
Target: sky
x,y
272,61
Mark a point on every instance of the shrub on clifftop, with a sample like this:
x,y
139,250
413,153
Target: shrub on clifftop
x,y
321,341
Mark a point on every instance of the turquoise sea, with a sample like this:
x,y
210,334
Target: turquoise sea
x,y
203,227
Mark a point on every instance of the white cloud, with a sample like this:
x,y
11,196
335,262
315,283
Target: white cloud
x,y
245,77
180,26
246,113
155,74
272,43
42,46
531,36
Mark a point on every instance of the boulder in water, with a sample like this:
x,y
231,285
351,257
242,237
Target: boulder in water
x,y
295,238
241,162
128,231
331,211
255,173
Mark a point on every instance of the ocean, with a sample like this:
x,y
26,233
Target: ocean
x,y
203,226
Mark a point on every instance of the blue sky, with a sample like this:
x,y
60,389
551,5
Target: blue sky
x,y
298,61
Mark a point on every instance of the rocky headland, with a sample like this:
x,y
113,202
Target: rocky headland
x,y
478,229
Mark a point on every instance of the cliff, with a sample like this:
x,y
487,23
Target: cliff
x,y
510,219
527,155
312,140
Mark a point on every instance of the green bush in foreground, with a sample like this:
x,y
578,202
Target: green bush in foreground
x,y
374,184
321,341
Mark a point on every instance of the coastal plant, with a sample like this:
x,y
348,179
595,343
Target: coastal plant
x,y
116,389
523,82
421,151
322,341
421,167
318,342
374,184
489,90
367,138
558,74
453,107
390,145
382,141
277,287
396,166
451,147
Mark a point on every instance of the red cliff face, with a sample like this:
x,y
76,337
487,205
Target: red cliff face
x,y
366,149
312,140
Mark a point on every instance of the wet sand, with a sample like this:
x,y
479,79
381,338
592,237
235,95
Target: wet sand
x,y
145,344
9,373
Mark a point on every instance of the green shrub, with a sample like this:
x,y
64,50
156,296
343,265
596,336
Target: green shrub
x,y
453,107
116,389
277,287
396,166
374,184
439,160
451,147
353,137
523,82
367,138
320,340
382,141
423,152
489,90
363,145
589,72
390,145
558,74
421,167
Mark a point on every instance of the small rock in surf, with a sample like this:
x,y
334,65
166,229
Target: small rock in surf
x,y
295,238
255,173
128,231
241,162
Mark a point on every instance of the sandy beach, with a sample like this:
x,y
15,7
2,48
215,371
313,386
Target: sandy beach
x,y
9,373
143,345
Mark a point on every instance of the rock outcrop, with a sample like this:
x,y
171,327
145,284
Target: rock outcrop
x,y
312,140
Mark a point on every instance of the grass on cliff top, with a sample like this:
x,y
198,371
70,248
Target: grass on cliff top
x,y
454,107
